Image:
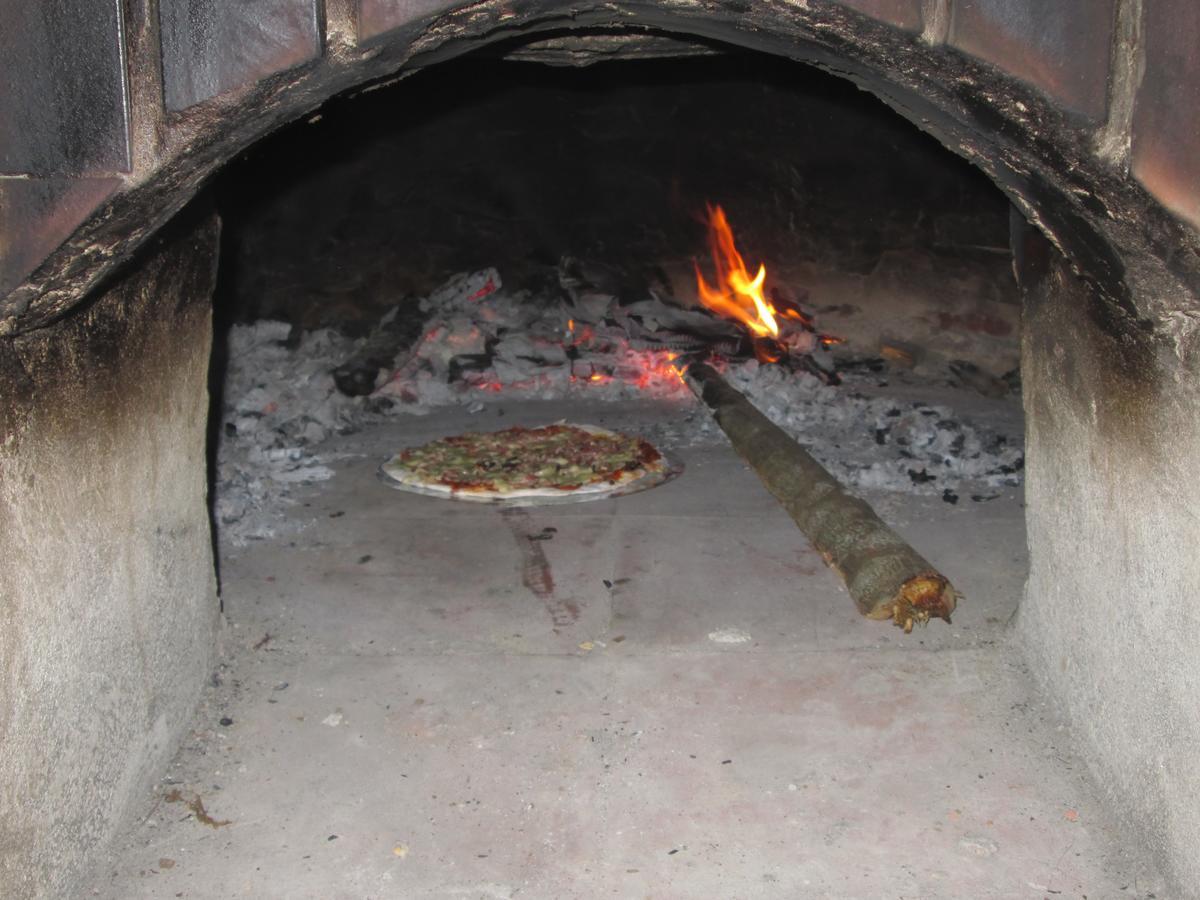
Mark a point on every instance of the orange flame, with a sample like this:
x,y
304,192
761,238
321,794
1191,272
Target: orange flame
x,y
736,294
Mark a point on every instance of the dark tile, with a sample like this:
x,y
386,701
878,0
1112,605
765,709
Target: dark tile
x,y
213,46
38,214
378,16
903,13
63,104
1061,48
1166,121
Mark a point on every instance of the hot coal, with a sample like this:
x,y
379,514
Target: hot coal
x,y
396,332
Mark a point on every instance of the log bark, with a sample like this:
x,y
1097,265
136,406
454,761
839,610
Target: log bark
x,y
887,578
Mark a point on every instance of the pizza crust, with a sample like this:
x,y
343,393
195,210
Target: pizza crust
x,y
651,474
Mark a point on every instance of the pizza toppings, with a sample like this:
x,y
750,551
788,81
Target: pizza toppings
x,y
556,458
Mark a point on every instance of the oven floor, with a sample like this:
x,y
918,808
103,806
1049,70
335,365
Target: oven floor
x,y
665,695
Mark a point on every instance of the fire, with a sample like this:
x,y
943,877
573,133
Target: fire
x,y
676,370
736,293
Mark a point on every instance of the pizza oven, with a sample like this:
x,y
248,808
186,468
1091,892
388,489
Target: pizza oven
x,y
897,297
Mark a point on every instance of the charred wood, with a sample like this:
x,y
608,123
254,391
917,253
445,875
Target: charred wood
x,y
396,333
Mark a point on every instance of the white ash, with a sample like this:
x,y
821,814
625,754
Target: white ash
x,y
281,403
880,442
278,403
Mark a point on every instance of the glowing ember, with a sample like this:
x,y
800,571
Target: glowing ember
x,y
768,350
676,369
736,294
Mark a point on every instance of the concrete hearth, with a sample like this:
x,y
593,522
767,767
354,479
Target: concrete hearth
x,y
692,709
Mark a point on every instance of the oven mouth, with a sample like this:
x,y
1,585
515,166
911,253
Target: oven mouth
x,y
105,338
561,237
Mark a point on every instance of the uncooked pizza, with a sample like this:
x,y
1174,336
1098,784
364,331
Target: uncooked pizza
x,y
518,463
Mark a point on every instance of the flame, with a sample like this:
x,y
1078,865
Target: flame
x,y
736,294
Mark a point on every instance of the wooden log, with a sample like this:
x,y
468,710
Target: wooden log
x,y
887,578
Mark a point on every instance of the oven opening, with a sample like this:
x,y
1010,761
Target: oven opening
x,y
562,236
543,450
564,690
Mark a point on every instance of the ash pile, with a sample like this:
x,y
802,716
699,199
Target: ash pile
x,y
471,342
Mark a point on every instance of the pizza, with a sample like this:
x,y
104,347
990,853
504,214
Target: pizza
x,y
517,463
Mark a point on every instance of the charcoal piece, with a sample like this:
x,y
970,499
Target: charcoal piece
x,y
1005,469
655,320
921,477
592,308
467,362
970,375
680,343
395,334
294,337
804,363
583,276
949,496
869,363
379,405
767,349
356,378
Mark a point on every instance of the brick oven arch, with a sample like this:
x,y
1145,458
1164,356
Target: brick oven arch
x,y
117,115
204,84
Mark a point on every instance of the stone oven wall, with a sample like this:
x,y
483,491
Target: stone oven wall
x,y
115,113
1109,619
107,594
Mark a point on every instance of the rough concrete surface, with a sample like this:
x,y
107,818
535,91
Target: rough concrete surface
x,y
107,597
663,695
1110,616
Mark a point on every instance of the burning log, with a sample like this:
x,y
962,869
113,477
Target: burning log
x,y
886,577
